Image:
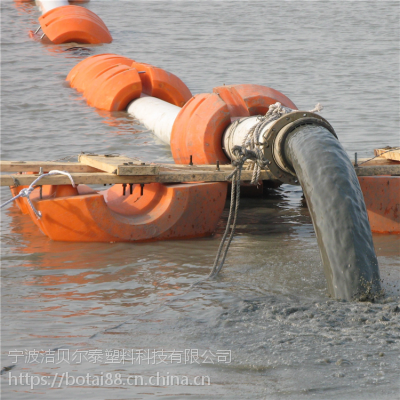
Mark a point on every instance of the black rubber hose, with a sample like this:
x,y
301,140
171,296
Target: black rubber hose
x,y
338,212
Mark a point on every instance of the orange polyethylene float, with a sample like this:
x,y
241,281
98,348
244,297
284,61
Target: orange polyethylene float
x,y
198,130
108,84
382,199
173,211
74,24
199,126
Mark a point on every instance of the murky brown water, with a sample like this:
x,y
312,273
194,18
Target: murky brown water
x,y
269,307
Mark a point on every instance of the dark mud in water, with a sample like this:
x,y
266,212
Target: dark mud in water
x,y
338,212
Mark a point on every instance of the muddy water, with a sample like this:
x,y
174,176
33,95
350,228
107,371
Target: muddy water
x,y
338,212
270,306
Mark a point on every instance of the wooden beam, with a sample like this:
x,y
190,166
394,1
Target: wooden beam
x,y
121,169
34,166
389,153
119,165
376,170
375,161
95,178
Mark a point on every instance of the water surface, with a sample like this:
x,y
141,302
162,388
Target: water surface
x,y
269,307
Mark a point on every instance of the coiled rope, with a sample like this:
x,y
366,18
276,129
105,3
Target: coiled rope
x,y
26,192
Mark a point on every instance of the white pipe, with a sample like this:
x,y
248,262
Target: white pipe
x,y
47,5
156,115
159,116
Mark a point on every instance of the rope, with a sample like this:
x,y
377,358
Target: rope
x,y
251,143
26,192
233,211
242,155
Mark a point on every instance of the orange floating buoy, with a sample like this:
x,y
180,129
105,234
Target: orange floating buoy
x,y
162,84
83,78
198,130
382,199
173,211
74,24
114,88
199,127
106,83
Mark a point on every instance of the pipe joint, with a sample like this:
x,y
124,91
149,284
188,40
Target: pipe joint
x,y
276,137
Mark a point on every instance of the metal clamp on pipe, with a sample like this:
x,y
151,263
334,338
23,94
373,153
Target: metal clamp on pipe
x,y
275,139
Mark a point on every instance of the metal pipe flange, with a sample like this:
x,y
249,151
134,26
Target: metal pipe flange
x,y
275,138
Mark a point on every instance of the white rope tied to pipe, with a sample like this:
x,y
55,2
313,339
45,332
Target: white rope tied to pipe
x,y
250,141
26,192
318,107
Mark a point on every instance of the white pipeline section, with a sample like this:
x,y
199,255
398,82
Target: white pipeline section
x,y
156,115
159,116
47,5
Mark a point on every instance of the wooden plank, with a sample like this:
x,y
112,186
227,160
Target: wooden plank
x,y
34,166
96,178
376,170
119,165
390,153
364,162
194,167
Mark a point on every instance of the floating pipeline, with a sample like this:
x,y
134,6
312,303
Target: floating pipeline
x,y
301,146
110,82
64,23
135,213
340,219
